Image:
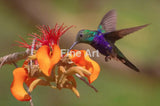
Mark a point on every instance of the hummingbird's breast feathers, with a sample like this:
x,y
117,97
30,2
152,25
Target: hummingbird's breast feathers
x,y
101,44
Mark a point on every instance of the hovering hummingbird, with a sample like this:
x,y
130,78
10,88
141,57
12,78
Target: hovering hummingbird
x,y
104,38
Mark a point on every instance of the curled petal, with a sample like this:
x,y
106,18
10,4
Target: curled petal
x,y
17,89
85,61
43,58
48,59
94,70
56,55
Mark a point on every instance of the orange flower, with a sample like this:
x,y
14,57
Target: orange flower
x,y
17,89
85,61
49,54
47,59
20,76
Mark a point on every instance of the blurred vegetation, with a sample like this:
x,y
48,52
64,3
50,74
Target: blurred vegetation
x,y
117,85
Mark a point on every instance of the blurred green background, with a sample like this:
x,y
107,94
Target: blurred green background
x,y
117,84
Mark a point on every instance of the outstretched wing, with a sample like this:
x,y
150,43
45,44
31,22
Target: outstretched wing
x,y
116,35
108,22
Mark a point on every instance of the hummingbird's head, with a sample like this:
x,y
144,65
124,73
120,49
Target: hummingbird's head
x,y
84,36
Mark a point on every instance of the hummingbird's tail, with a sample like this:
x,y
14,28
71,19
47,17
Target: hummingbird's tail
x,y
124,60
116,35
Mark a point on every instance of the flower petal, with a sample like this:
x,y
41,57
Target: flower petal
x,y
17,89
95,70
85,61
47,60
43,58
56,54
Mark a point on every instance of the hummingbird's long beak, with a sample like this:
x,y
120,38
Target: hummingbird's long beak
x,y
74,44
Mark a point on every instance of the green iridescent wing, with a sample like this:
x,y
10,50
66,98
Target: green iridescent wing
x,y
108,23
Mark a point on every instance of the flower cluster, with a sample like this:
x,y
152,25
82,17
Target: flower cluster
x,y
45,65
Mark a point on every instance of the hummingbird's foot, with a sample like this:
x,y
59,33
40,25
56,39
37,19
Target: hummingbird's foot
x,y
107,58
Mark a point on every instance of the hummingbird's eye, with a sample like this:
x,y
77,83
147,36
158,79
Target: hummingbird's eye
x,y
81,35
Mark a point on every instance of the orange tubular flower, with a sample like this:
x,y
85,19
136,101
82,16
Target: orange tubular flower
x,y
85,61
49,39
17,89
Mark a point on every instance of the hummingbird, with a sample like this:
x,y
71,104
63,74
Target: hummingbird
x,y
103,39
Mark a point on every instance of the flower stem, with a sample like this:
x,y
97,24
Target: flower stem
x,y
84,80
